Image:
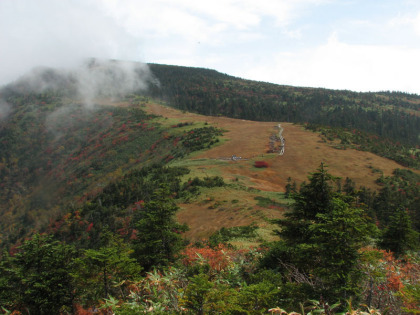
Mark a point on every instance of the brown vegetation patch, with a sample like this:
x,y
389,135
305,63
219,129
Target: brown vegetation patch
x,y
224,207
304,151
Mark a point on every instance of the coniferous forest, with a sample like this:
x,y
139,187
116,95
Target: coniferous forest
x,y
90,194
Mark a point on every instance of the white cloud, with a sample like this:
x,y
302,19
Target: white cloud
x,y
338,65
284,41
408,19
415,22
60,33
197,33
236,14
56,33
205,21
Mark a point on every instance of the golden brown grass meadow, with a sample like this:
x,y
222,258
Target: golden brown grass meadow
x,y
235,205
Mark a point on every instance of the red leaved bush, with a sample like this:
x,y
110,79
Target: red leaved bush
x,y
390,281
217,258
260,164
90,226
221,257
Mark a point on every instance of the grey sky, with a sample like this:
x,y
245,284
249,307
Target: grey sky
x,y
344,44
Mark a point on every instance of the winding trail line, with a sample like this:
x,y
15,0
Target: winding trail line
x,y
281,140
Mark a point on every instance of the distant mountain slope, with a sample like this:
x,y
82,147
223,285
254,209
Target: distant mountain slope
x,y
54,154
387,114
57,151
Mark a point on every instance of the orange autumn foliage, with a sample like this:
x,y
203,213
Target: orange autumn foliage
x,y
217,258
389,278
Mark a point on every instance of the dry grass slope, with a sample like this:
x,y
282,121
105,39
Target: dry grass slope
x,y
304,151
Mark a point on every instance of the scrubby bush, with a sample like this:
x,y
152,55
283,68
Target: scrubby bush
x,y
261,164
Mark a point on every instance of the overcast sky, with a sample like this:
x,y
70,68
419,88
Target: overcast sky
x,y
361,45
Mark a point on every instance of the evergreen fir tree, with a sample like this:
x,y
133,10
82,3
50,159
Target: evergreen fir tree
x,y
399,236
102,272
321,237
38,278
159,235
288,187
313,198
349,186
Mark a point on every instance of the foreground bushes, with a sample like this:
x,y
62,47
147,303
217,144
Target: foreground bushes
x,y
325,261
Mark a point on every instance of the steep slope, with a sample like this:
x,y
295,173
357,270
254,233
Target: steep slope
x,y
53,158
56,154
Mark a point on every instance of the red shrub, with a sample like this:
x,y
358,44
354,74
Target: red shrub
x,y
90,226
218,258
260,164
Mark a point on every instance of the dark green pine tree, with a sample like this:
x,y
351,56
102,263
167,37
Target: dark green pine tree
x,y
349,186
336,237
385,203
313,198
320,238
159,235
103,272
290,188
38,278
399,236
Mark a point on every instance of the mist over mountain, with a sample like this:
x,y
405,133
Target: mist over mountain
x,y
92,79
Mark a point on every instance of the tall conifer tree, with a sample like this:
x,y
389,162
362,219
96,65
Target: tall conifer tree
x,y
399,236
159,238
321,237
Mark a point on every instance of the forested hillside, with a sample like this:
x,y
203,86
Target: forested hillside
x,y
389,114
391,117
92,181
55,152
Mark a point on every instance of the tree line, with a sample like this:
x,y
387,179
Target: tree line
x,y
330,257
